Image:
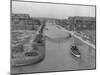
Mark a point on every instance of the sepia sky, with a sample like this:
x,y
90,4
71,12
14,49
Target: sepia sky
x,y
52,10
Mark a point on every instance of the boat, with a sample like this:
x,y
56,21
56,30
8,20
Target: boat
x,y
75,51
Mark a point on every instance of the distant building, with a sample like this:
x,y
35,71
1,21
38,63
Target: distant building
x,y
50,22
24,22
82,23
21,22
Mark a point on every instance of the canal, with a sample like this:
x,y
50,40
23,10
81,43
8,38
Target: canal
x,y
58,55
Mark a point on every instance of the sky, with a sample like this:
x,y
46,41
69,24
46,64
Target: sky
x,y
52,10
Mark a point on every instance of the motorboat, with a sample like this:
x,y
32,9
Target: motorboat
x,y
75,51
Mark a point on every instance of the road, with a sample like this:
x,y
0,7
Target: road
x,y
58,55
73,34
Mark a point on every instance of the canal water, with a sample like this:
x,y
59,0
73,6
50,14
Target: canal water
x,y
58,56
